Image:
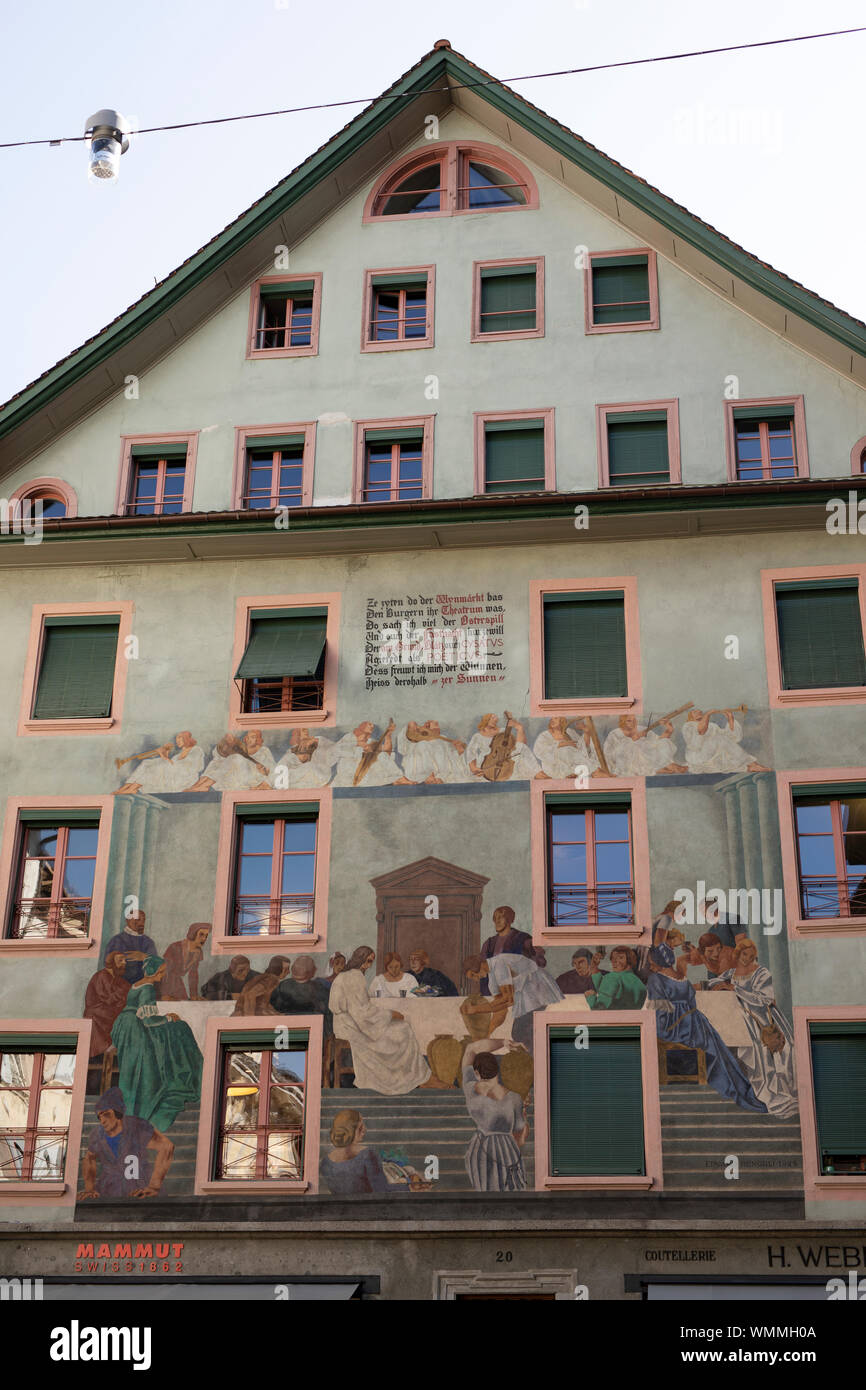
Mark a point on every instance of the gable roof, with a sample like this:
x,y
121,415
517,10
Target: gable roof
x,y
441,80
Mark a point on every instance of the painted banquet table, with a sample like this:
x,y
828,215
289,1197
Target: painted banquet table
x,y
431,1016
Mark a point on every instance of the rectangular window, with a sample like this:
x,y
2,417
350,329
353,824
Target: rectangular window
x,y
77,666
283,666
284,316
393,460
36,1088
766,439
585,645
830,827
398,308
621,291
514,452
596,1104
158,481
508,299
589,862
275,871
54,876
262,1105
393,468
274,475
820,633
838,1051
638,445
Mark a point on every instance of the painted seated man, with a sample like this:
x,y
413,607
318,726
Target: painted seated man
x,y
620,988
433,981
117,1161
300,993
228,984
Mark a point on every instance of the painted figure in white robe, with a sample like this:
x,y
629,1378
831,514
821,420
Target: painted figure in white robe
x,y
165,770
518,981
716,747
382,771
526,765
238,764
768,1061
429,756
561,749
633,752
307,762
385,1054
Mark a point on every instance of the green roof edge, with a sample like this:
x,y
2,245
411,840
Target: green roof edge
x,y
440,63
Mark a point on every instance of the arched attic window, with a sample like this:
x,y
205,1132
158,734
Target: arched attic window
x,y
452,178
858,456
58,498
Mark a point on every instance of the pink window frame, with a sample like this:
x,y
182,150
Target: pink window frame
x,y
13,831
672,411
127,466
63,1192
835,695
27,725
368,343
800,927
277,857
286,719
644,1020
858,458
652,276
422,422
245,439
216,1031
476,335
640,931
451,157
801,450
614,704
487,417
224,941
305,350
62,493
818,1186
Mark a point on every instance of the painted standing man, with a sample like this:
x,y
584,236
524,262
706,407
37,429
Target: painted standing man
x,y
104,999
507,940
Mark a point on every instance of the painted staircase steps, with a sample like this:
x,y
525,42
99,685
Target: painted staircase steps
x,y
699,1132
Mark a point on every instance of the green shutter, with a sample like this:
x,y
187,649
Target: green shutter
x,y
396,436
823,791
504,292
514,456
637,449
274,441
584,646
283,646
76,677
279,810
617,282
64,815
820,635
839,1075
774,413
160,451
409,280
38,1042
596,1104
264,1038
561,802
294,289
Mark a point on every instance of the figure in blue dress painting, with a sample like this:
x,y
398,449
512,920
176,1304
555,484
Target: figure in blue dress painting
x,y
678,1020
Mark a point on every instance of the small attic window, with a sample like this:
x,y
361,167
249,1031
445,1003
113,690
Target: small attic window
x,y
284,316
58,499
621,291
449,179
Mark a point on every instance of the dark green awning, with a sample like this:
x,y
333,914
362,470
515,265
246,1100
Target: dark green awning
x,y
283,646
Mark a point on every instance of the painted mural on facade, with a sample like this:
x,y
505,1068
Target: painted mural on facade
x,y
427,1017
421,752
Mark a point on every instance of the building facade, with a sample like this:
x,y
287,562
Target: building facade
x,y
434,774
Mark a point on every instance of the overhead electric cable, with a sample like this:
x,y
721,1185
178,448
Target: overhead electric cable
x,y
452,87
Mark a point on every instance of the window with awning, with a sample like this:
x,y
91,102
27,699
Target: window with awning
x,y
283,666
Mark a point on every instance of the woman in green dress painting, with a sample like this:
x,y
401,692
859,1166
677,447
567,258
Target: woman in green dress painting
x,y
160,1063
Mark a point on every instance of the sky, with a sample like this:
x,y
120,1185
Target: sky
x,y
765,145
